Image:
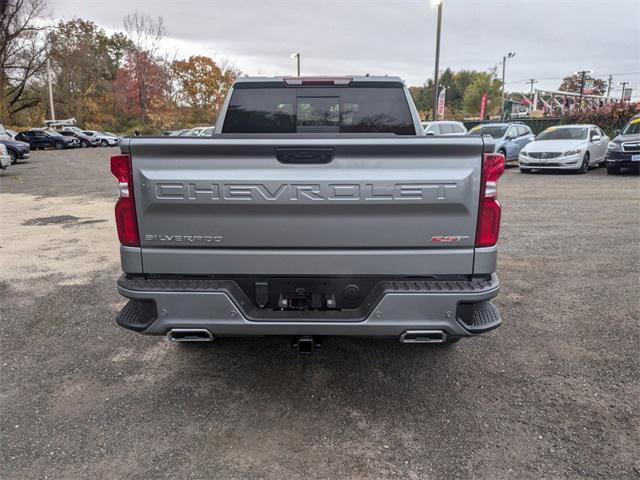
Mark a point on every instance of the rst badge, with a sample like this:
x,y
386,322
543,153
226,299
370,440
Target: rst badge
x,y
448,238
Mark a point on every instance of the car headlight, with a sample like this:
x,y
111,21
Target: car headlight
x,y
614,146
572,152
524,153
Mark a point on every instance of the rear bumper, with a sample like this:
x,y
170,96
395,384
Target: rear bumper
x,y
5,161
159,305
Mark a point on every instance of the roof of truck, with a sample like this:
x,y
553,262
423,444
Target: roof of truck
x,y
317,81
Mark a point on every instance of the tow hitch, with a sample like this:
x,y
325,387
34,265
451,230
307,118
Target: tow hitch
x,y
306,344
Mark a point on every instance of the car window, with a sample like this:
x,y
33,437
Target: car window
x,y
564,133
512,132
457,128
347,110
433,128
495,131
522,130
445,128
318,111
594,133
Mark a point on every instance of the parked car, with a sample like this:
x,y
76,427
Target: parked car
x,y
624,150
17,150
4,133
194,132
207,132
5,159
278,234
42,139
509,138
179,133
84,139
104,140
572,147
444,127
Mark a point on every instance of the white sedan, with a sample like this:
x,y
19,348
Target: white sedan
x,y
569,147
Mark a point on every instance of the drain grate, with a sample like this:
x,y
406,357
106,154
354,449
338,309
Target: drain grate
x,y
59,219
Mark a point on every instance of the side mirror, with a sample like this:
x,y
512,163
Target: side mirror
x,y
596,138
430,134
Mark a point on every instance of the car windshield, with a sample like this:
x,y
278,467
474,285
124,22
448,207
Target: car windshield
x,y
567,133
632,128
496,131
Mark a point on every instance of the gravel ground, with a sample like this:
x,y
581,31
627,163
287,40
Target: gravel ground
x,y
554,393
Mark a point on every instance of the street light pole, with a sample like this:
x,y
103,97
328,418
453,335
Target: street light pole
x,y
437,3
297,57
53,113
504,65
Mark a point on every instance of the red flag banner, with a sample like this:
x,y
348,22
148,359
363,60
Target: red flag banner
x,y
483,105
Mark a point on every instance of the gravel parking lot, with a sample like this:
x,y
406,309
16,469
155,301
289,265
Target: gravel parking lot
x,y
554,393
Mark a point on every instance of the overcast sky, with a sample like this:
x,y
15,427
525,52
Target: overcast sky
x,y
551,38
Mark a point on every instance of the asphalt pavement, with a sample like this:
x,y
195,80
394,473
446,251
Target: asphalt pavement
x,y
553,393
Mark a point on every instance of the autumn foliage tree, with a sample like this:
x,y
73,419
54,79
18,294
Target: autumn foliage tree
x,y
202,86
573,82
85,61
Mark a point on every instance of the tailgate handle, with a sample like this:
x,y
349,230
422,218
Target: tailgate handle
x,y
304,155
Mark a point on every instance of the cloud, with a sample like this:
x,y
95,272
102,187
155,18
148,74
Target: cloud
x,y
551,38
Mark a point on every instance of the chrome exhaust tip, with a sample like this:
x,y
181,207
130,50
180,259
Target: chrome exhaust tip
x,y
423,336
190,335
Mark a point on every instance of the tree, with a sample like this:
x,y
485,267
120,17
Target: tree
x,y
22,54
483,82
203,85
457,84
573,82
85,61
146,34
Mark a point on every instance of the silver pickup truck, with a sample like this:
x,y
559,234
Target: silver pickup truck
x,y
317,208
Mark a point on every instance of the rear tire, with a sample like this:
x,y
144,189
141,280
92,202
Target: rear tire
x,y
504,154
14,157
84,144
584,168
59,146
104,143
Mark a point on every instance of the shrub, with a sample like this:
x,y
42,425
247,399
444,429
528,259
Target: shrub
x,y
610,117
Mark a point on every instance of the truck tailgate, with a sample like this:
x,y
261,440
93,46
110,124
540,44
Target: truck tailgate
x,y
344,196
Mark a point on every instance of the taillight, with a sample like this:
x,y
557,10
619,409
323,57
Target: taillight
x,y
126,221
489,207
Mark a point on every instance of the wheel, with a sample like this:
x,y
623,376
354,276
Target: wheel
x,y
504,154
584,168
59,146
525,170
84,144
613,170
104,143
14,157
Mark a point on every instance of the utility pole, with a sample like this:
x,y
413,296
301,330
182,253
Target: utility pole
x,y
53,113
437,3
531,82
624,85
504,65
583,75
609,85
